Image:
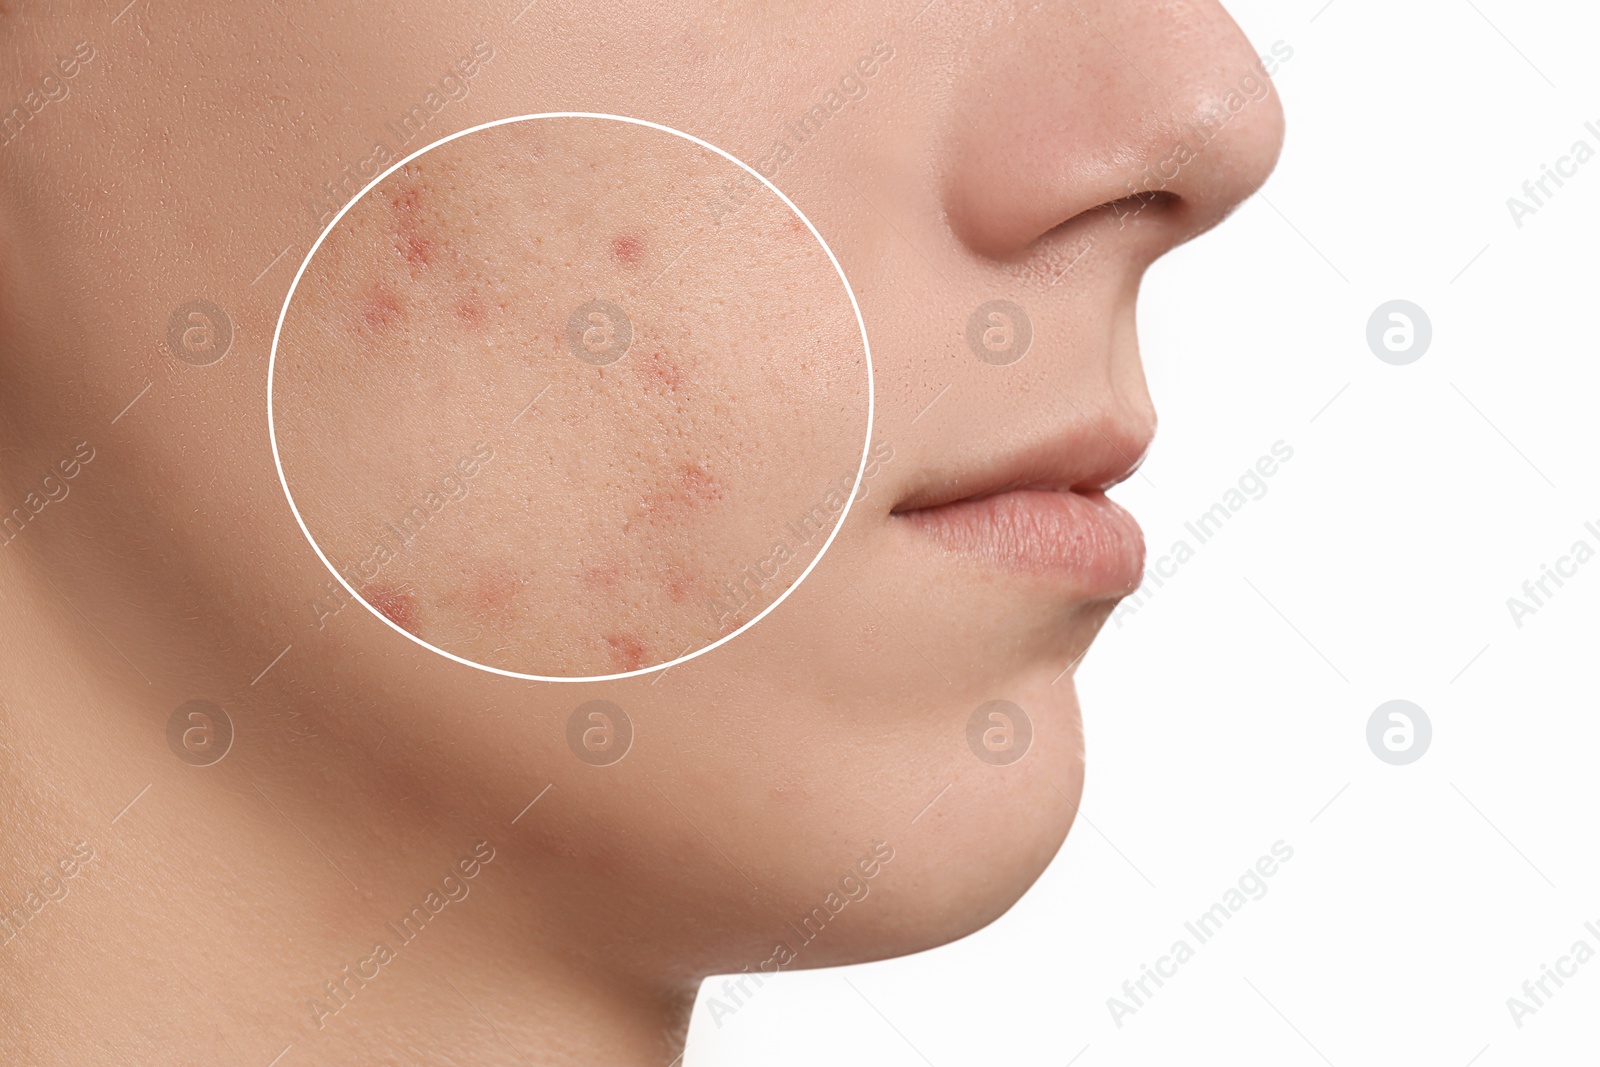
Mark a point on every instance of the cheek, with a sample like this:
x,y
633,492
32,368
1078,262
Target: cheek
x,y
679,581
628,251
495,593
395,604
684,492
381,308
659,374
469,309
413,235
602,575
627,650
699,485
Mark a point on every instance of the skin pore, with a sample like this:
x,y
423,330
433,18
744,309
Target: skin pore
x,y
597,511
952,154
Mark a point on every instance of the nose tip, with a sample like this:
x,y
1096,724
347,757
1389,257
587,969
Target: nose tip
x,y
1160,115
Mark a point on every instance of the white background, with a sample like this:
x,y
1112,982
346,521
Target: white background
x,y
1230,711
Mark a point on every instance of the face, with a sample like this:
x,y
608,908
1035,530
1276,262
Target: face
x,y
994,179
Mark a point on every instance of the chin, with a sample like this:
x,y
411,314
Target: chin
x,y
974,853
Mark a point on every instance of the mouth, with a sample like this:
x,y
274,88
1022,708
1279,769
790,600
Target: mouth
x,y
1042,510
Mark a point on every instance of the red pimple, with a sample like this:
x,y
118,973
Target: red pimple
x,y
495,591
628,250
396,605
416,247
698,483
692,486
627,651
680,582
380,308
417,250
656,370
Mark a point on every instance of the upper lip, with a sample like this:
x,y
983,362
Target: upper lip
x,y
1086,458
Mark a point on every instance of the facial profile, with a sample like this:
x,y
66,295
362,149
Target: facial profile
x,y
563,398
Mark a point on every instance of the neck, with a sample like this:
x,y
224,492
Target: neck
x,y
306,897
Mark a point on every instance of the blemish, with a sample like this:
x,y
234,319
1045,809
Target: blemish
x,y
679,580
380,308
396,605
658,371
699,483
691,485
417,250
494,593
627,651
628,251
415,246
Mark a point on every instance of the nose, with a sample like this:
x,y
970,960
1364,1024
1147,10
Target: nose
x,y
1160,118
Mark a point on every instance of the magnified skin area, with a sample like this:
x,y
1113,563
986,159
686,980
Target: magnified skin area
x,y
504,484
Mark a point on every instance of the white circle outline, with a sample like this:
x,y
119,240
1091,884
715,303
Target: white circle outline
x,y
272,431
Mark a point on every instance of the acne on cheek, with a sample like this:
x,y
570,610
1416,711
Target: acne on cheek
x,y
627,651
415,242
680,582
628,251
495,592
442,281
698,483
396,605
381,308
688,489
658,373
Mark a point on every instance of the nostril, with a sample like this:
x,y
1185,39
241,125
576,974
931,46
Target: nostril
x,y
1054,253
1148,205
1119,213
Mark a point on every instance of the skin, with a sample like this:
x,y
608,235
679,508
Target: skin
x,y
979,162
515,504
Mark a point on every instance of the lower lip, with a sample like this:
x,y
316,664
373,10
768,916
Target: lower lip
x,y
1083,536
